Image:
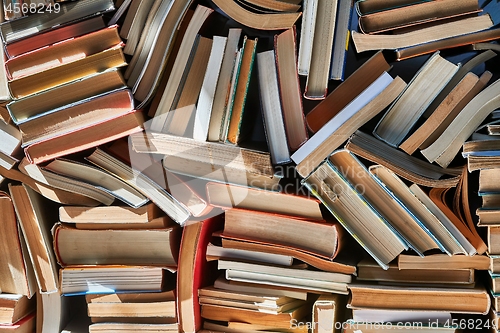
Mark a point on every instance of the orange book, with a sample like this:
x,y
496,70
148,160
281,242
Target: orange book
x,y
85,138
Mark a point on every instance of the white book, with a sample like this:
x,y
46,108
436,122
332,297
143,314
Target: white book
x,y
207,93
263,257
271,108
333,124
307,35
385,316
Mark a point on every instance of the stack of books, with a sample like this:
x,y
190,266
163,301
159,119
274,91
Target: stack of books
x,y
221,166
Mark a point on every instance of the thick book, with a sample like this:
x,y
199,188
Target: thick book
x,y
53,36
68,119
65,95
443,261
194,272
234,196
50,78
347,91
16,270
326,311
285,50
35,218
321,53
12,31
398,121
282,230
466,300
155,247
85,138
272,108
365,224
62,52
419,13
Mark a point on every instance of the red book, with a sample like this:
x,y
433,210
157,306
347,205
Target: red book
x,y
194,271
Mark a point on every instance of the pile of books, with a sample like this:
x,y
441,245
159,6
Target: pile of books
x,y
250,166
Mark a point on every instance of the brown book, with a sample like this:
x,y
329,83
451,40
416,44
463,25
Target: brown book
x,y
53,36
368,270
310,259
430,130
67,94
108,326
156,247
16,271
319,238
347,91
86,113
408,167
14,307
282,320
109,214
183,109
364,7
131,297
476,300
62,52
441,44
326,311
35,83
85,138
415,14
443,261
229,196
35,218
239,327
425,40
264,21
285,49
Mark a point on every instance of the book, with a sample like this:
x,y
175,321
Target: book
x,y
368,228
341,40
405,223
35,219
368,270
52,311
109,214
235,132
444,233
78,280
181,60
50,78
321,53
364,7
97,177
16,271
156,247
415,14
71,12
15,307
338,129
179,120
267,21
306,40
65,95
229,196
239,327
397,122
271,107
62,52
134,22
11,139
471,116
267,308
263,301
455,300
285,50
65,183
443,115
219,252
85,138
326,311
24,325
86,113
338,99
148,187
221,97
257,225
367,315
425,36
208,89
53,36
132,327
406,166
194,271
